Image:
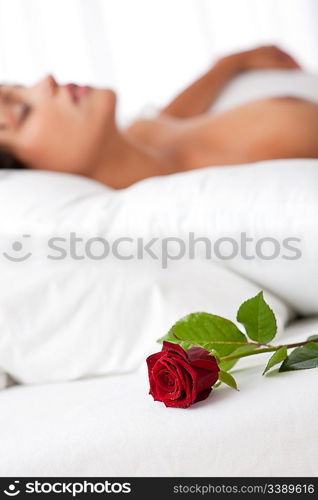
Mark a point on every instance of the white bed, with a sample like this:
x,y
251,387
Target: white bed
x,y
111,427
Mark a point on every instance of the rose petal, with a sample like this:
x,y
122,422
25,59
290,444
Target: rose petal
x,y
174,348
163,391
190,386
204,364
195,353
202,395
206,379
178,388
184,381
151,360
179,377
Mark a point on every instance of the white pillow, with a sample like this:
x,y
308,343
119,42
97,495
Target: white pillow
x,y
65,319
276,200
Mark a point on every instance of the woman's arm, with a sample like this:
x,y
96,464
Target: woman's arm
x,y
198,97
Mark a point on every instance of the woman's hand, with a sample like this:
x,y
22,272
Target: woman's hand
x,y
267,57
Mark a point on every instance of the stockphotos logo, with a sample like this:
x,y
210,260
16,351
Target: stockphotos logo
x,y
13,489
70,488
16,252
163,250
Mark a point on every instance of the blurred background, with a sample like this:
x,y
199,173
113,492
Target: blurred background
x,y
145,49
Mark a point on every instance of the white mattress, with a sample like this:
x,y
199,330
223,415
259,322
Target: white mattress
x,y
111,427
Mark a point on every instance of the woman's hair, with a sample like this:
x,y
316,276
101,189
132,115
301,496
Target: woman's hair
x,y
8,160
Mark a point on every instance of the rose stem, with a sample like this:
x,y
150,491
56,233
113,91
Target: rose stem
x,y
265,349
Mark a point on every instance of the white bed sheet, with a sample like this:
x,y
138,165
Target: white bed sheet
x,y
111,427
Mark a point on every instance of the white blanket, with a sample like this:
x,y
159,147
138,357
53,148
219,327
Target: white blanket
x,y
112,427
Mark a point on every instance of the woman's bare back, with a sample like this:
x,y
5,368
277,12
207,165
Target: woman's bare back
x,y
283,127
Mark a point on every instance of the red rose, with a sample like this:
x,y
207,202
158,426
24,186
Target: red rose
x,y
180,378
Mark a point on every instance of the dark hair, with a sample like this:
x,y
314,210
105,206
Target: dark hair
x,y
8,160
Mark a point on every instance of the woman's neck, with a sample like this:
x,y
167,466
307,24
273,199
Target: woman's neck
x,y
124,162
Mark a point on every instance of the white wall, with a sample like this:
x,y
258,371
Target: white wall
x,y
146,49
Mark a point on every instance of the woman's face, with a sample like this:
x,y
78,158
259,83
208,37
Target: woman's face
x,y
56,127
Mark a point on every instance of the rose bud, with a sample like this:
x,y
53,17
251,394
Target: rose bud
x,y
180,378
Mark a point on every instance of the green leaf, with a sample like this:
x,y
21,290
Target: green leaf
x,y
301,358
227,365
276,358
208,331
227,379
171,338
258,319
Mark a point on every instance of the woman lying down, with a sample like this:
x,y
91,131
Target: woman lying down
x,y
72,129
